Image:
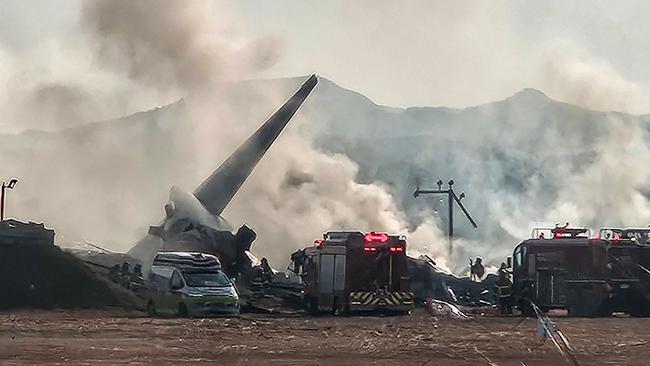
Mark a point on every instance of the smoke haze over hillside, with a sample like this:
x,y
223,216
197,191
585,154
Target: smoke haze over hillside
x,y
343,163
111,180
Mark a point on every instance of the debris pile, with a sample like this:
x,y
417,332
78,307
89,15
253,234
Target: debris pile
x,y
428,281
38,274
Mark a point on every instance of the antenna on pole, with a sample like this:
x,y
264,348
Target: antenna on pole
x,y
451,198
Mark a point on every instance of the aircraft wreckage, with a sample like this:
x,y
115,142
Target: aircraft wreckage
x,y
193,223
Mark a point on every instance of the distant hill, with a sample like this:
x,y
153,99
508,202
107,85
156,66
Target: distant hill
x,y
519,160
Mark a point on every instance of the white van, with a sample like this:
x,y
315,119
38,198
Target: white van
x,y
189,284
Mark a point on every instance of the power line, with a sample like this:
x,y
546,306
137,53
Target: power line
x,y
451,198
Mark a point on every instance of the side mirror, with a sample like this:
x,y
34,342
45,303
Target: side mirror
x,y
176,286
509,262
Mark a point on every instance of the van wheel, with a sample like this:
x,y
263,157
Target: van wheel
x,y
151,309
182,310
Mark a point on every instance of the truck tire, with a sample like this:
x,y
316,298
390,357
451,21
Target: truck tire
x,y
311,305
182,310
526,309
639,309
340,309
575,310
151,309
584,303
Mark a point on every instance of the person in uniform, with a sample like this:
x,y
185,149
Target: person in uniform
x,y
298,260
476,269
503,289
268,271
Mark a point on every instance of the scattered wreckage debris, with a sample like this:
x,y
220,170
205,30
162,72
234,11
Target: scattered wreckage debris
x,y
428,281
193,221
443,309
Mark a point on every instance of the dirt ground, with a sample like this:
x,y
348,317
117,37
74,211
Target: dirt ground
x,y
111,337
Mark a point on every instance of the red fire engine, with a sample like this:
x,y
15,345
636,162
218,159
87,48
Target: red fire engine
x,y
349,271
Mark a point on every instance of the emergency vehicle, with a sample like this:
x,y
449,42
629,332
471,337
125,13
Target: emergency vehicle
x,y
351,271
563,268
560,268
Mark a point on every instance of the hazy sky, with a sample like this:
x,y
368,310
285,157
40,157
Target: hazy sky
x,y
406,53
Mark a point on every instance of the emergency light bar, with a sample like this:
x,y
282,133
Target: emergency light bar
x,y
373,237
639,235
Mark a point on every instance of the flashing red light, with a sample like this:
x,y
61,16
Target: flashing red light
x,y
396,249
375,237
369,249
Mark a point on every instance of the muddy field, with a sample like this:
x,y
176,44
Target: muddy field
x,y
108,338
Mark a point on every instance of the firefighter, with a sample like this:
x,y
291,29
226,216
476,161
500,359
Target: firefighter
x,y
503,289
267,270
298,259
259,281
476,269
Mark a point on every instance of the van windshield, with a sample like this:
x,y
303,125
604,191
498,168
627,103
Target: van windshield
x,y
206,279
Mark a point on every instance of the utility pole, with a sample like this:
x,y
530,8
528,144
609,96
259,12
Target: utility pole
x,y
5,185
451,198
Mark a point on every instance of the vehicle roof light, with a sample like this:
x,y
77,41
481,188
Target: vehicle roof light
x,y
373,237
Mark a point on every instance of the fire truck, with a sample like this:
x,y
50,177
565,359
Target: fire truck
x,y
560,268
351,271
563,268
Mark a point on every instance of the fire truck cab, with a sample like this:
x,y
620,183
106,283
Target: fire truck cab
x,y
350,271
560,268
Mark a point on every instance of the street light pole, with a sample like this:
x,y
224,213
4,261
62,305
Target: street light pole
x,y
451,198
5,185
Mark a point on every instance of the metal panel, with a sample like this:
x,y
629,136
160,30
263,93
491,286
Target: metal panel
x,y
326,278
339,273
531,265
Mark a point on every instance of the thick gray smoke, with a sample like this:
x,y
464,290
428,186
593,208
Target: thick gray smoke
x,y
107,184
523,162
179,45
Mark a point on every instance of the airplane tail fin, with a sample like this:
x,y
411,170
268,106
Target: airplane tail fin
x,y
221,186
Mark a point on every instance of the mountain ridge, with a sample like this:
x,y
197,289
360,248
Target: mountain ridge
x,y
516,159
